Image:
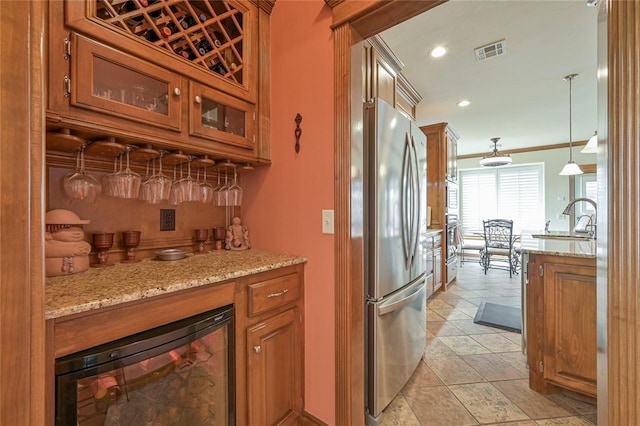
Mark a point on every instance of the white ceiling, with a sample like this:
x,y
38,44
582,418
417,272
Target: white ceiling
x,y
520,97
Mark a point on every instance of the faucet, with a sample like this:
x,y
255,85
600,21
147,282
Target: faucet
x,y
567,210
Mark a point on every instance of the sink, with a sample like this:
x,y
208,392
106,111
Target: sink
x,y
563,236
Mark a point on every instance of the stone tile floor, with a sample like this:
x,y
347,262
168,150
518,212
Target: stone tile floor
x,y
472,374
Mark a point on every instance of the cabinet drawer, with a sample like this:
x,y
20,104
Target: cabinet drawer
x,y
270,294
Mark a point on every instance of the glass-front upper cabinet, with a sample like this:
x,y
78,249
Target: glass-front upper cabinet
x,y
220,117
213,35
106,80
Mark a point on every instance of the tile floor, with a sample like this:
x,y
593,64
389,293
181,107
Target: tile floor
x,y
472,374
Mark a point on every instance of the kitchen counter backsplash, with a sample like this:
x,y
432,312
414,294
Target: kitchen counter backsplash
x,y
125,282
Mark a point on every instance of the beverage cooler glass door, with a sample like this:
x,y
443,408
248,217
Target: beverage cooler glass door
x,y
181,374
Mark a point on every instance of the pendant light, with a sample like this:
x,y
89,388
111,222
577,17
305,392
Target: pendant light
x,y
571,168
495,159
592,146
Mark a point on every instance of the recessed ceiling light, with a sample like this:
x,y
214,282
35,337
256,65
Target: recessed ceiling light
x,y
464,103
437,52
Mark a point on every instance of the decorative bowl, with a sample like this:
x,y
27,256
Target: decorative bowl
x,y
171,254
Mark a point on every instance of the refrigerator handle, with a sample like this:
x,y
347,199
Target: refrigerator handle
x,y
415,223
404,187
394,306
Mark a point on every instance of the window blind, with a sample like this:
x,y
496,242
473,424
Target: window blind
x,y
515,192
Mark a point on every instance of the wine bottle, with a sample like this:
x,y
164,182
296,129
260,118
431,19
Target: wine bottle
x,y
150,36
202,17
187,54
156,13
187,22
218,68
203,47
168,29
217,38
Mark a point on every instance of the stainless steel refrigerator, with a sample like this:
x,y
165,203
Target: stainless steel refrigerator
x,y
395,252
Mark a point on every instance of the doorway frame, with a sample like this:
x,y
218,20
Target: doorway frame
x,y
619,141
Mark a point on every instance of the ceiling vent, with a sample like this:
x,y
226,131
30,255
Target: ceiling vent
x,y
492,50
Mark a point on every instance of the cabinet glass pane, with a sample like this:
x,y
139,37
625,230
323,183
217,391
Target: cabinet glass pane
x,y
120,84
216,115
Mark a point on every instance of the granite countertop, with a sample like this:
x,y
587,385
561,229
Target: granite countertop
x,y
557,247
125,282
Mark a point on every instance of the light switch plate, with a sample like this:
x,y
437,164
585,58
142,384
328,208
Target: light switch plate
x,y
327,222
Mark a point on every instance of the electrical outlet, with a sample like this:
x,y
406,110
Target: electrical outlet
x,y
167,220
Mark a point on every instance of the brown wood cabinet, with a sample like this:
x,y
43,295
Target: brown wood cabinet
x,y
561,323
196,89
442,142
434,263
383,78
269,338
275,358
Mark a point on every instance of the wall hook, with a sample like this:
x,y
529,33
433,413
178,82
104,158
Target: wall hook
x,y
298,131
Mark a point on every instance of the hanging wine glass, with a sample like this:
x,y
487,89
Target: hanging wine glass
x,y
222,194
160,185
206,189
189,186
80,185
234,193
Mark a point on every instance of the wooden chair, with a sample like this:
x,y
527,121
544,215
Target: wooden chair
x,y
499,246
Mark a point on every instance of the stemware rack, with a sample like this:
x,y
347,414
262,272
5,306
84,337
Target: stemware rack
x,y
208,33
62,147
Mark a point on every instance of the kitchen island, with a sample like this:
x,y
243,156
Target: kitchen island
x,y
266,291
559,312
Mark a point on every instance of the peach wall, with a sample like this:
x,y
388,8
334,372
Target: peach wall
x,y
283,202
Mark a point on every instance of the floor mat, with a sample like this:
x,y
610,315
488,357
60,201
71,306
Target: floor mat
x,y
499,316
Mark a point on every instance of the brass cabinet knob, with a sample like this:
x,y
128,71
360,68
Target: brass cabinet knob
x,y
176,91
198,99
257,349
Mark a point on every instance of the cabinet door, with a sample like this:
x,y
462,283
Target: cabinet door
x,y
452,157
570,326
274,370
437,268
106,80
219,117
383,79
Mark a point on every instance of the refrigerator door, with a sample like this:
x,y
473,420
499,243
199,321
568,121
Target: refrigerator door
x,y
396,342
387,236
419,145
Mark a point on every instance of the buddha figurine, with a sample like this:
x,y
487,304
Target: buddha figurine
x,y
237,236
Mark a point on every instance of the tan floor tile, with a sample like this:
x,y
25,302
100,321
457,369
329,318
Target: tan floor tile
x,y
432,315
423,376
451,314
565,421
514,337
518,360
535,405
469,311
399,413
493,367
465,345
508,301
593,418
578,403
486,403
434,303
525,423
430,334
437,349
438,406
470,327
443,328
454,370
496,342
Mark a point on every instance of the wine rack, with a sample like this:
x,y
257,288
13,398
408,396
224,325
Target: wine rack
x,y
208,33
